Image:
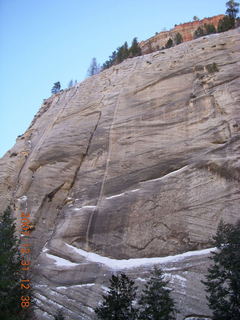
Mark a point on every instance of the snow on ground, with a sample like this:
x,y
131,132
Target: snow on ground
x,y
141,279
61,262
22,199
116,264
167,175
84,207
116,195
83,285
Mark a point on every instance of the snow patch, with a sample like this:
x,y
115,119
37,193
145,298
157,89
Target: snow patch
x,y
77,286
137,262
61,262
179,277
90,309
105,289
167,175
84,285
141,279
116,195
87,207
135,190
44,249
22,199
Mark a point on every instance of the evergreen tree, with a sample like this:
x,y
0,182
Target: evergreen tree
x,y
125,50
195,18
226,23
210,28
118,303
10,271
122,53
113,57
199,33
232,9
178,38
70,84
223,278
169,43
106,65
135,49
56,87
94,68
155,302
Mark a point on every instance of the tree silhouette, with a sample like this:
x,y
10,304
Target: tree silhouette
x,y
169,43
232,9
56,87
118,303
223,278
156,302
70,84
178,38
10,271
94,68
135,49
226,23
199,33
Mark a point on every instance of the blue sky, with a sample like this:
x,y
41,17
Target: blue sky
x,y
44,41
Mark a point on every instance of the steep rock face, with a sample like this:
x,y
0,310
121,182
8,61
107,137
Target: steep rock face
x,y
139,161
187,31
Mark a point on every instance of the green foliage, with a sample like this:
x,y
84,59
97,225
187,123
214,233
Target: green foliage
x,y
59,316
209,29
195,18
211,68
155,302
94,68
223,278
135,49
226,23
199,33
232,9
169,43
56,87
205,30
10,270
123,53
118,303
70,84
178,38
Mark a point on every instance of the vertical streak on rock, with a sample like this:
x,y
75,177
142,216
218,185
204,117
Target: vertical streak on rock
x,y
86,153
107,163
82,158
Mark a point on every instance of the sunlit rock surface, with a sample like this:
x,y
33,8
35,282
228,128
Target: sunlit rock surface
x,y
137,162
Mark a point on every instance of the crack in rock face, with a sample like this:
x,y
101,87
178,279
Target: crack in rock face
x,y
136,164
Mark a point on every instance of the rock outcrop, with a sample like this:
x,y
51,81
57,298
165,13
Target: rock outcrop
x,y
140,161
187,31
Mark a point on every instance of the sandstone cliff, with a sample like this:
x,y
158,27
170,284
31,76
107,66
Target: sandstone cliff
x,y
140,161
186,30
